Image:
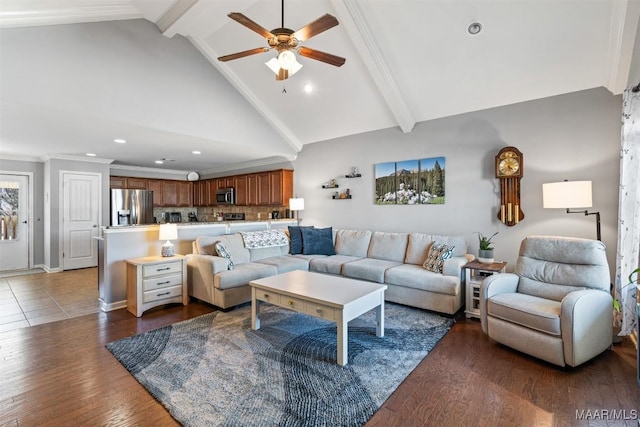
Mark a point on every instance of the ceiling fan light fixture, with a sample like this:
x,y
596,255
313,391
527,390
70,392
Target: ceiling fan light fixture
x,y
287,59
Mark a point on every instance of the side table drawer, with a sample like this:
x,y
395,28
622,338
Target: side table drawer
x,y
163,268
267,296
161,282
320,310
160,294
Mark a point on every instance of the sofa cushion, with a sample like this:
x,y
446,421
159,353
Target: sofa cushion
x,y
532,312
223,252
235,246
330,264
436,256
414,276
317,241
388,246
260,253
353,242
286,263
295,236
242,274
206,245
370,269
419,244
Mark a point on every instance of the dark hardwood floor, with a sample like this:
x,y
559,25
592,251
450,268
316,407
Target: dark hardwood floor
x,y
60,374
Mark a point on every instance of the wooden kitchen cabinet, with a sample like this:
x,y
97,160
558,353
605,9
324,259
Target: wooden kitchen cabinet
x,y
280,187
264,189
252,190
136,183
170,193
155,185
117,182
200,193
184,194
240,185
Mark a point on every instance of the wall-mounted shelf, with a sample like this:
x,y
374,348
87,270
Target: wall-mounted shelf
x,y
330,186
341,198
358,175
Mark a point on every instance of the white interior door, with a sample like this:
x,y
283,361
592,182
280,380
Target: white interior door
x,y
14,224
80,219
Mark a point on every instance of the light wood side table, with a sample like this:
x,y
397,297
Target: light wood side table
x,y
475,273
154,281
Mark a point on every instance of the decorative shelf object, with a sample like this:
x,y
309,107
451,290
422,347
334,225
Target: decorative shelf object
x,y
355,173
342,196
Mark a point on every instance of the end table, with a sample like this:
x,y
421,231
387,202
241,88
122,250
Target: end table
x,y
475,273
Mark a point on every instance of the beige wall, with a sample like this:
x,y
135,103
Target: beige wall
x,y
574,136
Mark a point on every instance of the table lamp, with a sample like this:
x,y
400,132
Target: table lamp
x,y
569,195
168,232
296,204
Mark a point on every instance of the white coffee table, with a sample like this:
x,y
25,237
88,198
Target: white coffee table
x,y
333,298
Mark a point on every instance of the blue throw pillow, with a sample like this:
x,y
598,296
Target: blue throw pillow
x,y
317,241
295,239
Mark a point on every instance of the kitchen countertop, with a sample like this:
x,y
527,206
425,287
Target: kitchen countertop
x,y
191,224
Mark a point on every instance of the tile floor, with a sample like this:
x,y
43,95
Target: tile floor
x,y
34,299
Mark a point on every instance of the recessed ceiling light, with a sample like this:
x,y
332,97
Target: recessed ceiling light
x,y
91,154
474,28
196,152
308,88
159,162
120,141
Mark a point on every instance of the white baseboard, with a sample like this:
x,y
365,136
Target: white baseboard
x,y
113,306
47,269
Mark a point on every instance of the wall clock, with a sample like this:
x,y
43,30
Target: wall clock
x,y
509,170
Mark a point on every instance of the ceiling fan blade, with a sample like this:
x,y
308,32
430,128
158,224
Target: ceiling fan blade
x,y
321,56
316,27
242,54
242,19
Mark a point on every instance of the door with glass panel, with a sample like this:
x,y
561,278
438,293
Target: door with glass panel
x,y
14,224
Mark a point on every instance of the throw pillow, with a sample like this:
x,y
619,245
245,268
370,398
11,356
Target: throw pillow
x,y
222,251
295,236
436,256
317,241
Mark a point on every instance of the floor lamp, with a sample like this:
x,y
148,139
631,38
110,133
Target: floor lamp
x,y
295,205
570,195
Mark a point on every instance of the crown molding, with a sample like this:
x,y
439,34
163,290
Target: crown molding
x,y
266,161
85,159
149,170
70,15
20,158
173,15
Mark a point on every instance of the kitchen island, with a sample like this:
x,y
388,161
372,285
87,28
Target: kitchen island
x,y
119,243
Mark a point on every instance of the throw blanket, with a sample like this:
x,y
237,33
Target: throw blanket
x,y
264,238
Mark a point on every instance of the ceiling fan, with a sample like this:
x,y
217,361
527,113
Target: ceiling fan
x,y
286,42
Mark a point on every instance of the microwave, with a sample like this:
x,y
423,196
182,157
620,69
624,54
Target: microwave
x,y
225,196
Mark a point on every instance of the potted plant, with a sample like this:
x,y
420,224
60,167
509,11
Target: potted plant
x,y
485,253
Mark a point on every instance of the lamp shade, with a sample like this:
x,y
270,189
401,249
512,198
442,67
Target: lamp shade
x,y
168,232
296,204
567,194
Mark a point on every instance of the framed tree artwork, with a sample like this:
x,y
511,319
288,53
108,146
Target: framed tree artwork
x,y
410,182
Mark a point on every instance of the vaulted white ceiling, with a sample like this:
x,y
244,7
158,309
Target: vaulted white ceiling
x,y
67,90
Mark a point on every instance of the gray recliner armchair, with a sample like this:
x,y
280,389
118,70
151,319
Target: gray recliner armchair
x,y
556,306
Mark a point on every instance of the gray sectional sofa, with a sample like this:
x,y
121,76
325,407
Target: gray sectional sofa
x,y
395,259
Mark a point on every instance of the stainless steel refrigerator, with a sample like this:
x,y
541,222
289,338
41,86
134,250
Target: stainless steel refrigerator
x,y
131,207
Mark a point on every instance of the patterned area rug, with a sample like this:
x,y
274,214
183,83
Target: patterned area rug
x,y
214,370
